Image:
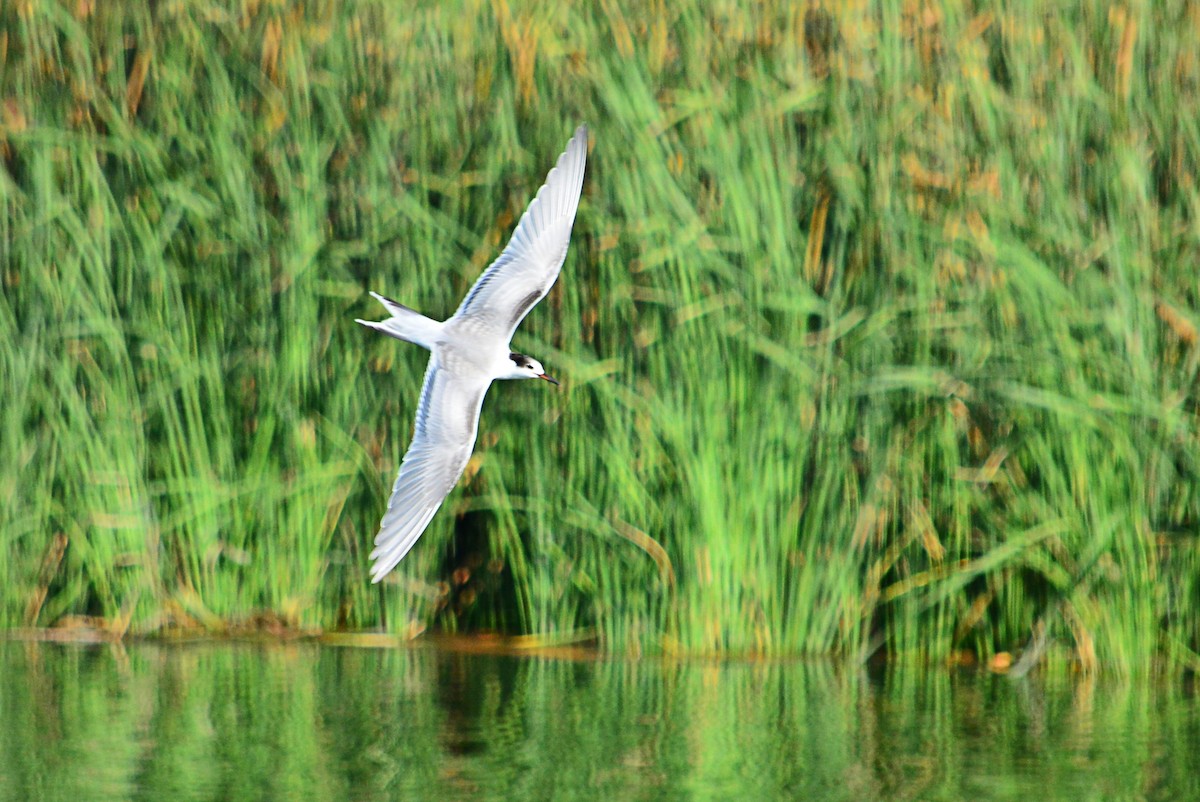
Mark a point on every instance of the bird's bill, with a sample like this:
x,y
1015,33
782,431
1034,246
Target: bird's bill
x,y
550,379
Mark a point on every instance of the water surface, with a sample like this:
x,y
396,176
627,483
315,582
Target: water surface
x,y
279,722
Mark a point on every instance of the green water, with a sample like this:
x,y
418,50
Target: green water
x,y
305,722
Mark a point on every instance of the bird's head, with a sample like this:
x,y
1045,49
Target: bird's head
x,y
526,367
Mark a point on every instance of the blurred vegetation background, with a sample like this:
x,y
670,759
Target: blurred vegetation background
x,y
878,332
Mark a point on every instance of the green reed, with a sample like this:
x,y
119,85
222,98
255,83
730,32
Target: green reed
x,y
878,331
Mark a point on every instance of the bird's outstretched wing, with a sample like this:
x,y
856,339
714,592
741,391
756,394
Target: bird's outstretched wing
x,y
528,266
444,435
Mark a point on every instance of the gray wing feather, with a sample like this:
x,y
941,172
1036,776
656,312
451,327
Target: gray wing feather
x,y
444,436
529,265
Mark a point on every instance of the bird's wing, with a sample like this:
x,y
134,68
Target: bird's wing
x,y
444,435
528,266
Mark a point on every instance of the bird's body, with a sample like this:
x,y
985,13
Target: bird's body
x,y
469,351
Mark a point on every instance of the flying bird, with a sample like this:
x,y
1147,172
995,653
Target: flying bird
x,y
470,350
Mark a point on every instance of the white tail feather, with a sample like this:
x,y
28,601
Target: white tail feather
x,y
405,324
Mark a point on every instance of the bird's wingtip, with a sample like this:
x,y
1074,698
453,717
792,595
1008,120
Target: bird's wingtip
x,y
377,571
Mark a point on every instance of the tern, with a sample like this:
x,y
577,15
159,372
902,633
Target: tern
x,y
469,351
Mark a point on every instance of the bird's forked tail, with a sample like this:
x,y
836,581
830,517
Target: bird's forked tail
x,y
404,323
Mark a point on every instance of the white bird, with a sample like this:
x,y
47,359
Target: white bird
x,y
470,350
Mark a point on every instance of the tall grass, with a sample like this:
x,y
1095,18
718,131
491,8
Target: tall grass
x,y
878,330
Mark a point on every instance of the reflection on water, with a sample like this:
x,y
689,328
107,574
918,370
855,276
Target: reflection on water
x,y
217,722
